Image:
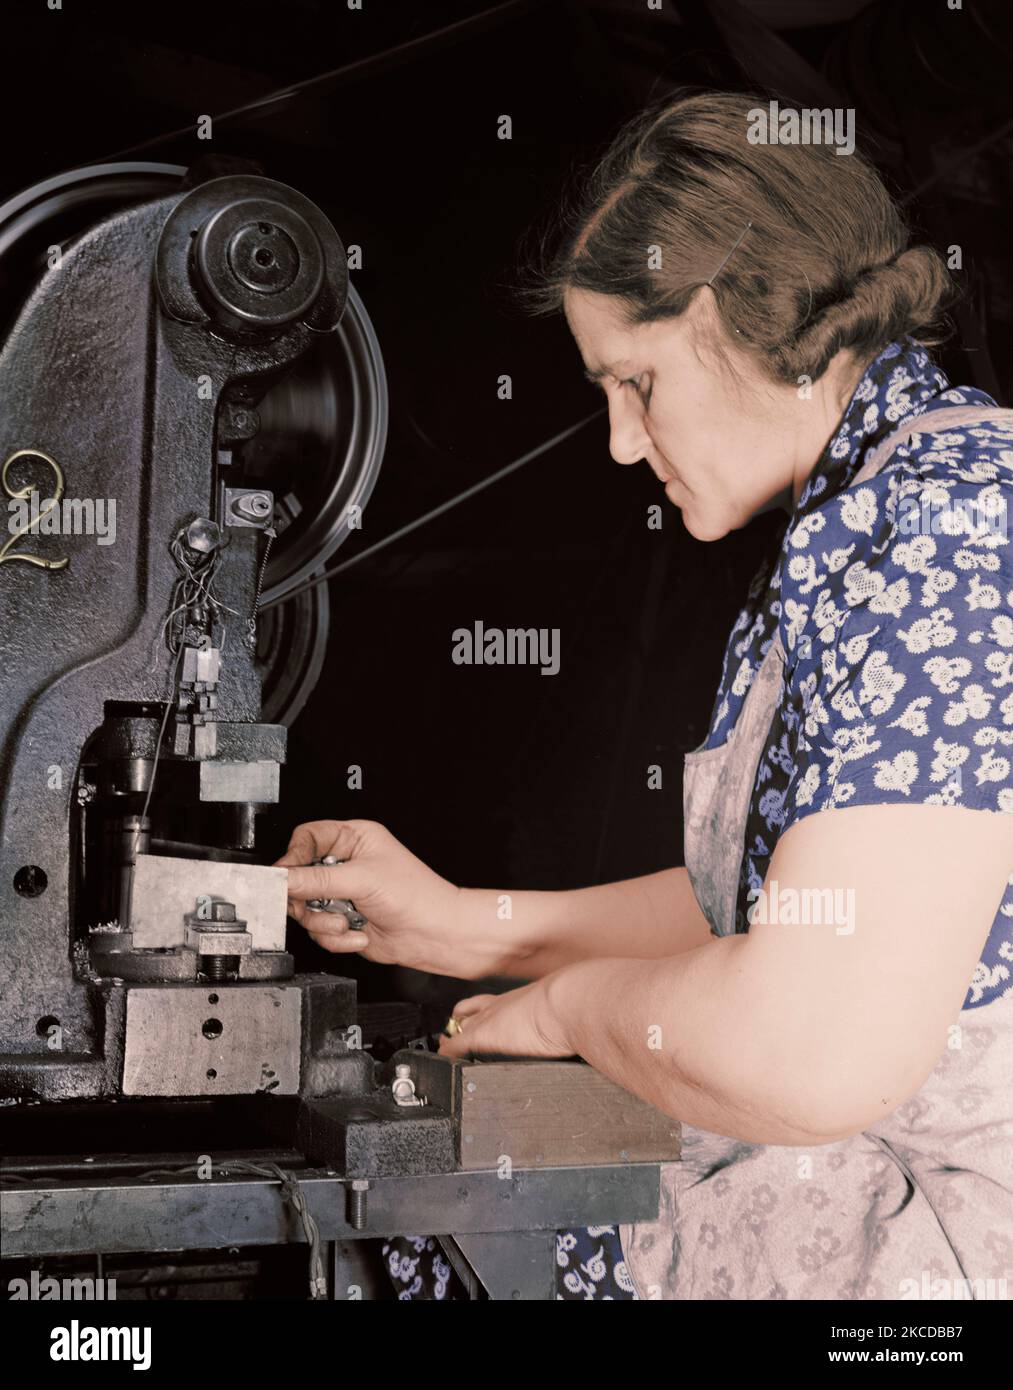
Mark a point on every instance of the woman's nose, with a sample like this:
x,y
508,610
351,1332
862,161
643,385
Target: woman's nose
x,y
628,441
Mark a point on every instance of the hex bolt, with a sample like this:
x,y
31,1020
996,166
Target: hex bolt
x,y
238,422
358,1198
223,924
203,535
222,914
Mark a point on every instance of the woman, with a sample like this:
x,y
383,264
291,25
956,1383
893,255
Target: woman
x,y
828,977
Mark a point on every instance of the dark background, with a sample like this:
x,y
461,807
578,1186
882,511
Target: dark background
x,y
498,776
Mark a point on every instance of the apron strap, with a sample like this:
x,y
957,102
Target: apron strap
x,y
930,422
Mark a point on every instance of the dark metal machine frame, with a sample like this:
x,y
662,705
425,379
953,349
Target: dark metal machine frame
x,y
143,955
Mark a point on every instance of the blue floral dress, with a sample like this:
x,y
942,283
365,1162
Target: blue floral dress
x,y
911,703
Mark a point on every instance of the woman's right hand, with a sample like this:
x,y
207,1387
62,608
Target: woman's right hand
x,y
413,916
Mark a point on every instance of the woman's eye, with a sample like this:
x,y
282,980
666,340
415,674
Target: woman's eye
x,y
637,382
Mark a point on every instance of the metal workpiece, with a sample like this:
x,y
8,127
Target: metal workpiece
x,y
166,890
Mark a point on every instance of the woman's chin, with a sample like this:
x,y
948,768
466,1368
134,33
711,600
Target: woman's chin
x,y
713,533
695,520
702,527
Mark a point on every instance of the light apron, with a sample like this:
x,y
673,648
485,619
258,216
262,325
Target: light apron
x,y
921,1206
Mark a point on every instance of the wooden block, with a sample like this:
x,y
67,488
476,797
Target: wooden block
x,y
542,1113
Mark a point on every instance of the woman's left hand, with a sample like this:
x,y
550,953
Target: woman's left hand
x,y
520,1023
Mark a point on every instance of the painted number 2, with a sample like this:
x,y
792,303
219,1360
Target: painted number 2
x,y
23,494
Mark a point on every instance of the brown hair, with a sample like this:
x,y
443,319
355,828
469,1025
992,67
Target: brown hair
x,y
804,248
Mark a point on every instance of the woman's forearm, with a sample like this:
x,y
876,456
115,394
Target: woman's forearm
x,y
647,918
696,1037
803,1031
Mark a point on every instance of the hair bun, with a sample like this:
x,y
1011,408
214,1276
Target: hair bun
x,y
904,295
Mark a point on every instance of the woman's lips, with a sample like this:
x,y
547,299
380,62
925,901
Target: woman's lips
x,y
662,469
667,476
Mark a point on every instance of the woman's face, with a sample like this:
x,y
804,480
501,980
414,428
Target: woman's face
x,y
725,443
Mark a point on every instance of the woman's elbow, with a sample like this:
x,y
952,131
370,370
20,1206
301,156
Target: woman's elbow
x,y
839,1099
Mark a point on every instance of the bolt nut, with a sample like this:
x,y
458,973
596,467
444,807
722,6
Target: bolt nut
x,y
203,535
216,942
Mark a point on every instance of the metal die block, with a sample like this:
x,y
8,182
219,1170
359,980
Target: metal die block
x,y
223,780
204,1040
371,1136
205,740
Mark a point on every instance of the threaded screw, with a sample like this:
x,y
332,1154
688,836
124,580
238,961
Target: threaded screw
x,y
358,1197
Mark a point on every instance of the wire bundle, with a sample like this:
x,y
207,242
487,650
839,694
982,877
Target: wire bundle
x,y
193,597
291,1192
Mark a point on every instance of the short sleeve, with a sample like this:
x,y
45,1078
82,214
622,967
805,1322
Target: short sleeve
x,y
897,622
